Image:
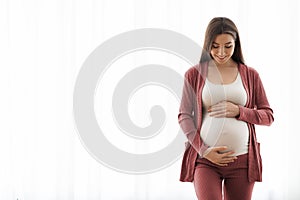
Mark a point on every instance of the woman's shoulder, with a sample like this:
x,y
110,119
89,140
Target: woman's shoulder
x,y
195,70
249,70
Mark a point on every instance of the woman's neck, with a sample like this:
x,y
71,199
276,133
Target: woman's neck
x,y
229,64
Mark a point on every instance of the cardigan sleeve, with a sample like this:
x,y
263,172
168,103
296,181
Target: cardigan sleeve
x,y
187,117
261,113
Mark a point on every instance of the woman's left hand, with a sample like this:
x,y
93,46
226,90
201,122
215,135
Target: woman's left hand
x,y
224,109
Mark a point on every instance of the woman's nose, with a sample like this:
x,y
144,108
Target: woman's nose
x,y
221,51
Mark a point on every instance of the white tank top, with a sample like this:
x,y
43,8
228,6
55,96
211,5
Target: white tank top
x,y
228,132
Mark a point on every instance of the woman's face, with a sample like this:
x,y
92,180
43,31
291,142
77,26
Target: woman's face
x,y
222,48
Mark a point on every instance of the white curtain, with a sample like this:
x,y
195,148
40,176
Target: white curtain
x,y
43,45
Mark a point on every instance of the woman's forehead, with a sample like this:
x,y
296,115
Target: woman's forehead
x,y
223,39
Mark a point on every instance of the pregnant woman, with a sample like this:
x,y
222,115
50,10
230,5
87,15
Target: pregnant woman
x,y
221,102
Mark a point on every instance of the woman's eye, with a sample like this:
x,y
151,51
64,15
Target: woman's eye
x,y
228,47
215,47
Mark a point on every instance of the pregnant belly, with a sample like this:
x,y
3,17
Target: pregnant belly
x,y
228,132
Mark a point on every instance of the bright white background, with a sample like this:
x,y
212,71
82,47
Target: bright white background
x,y
43,45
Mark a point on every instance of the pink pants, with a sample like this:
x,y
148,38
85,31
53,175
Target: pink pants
x,y
208,179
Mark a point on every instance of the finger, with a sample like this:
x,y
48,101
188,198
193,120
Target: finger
x,y
217,108
219,148
217,111
218,114
229,155
221,103
222,164
228,160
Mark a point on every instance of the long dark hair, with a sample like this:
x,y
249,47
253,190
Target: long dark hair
x,y
217,26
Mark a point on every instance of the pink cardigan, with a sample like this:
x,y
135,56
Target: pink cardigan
x,y
256,111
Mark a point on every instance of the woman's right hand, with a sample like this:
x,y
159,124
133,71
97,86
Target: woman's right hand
x,y
214,155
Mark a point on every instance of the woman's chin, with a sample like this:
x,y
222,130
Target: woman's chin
x,y
221,61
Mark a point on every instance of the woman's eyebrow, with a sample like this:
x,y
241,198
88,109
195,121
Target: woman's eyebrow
x,y
219,44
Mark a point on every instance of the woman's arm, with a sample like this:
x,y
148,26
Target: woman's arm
x,y
261,114
186,116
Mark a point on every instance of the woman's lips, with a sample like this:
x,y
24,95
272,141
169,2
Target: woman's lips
x,y
221,58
